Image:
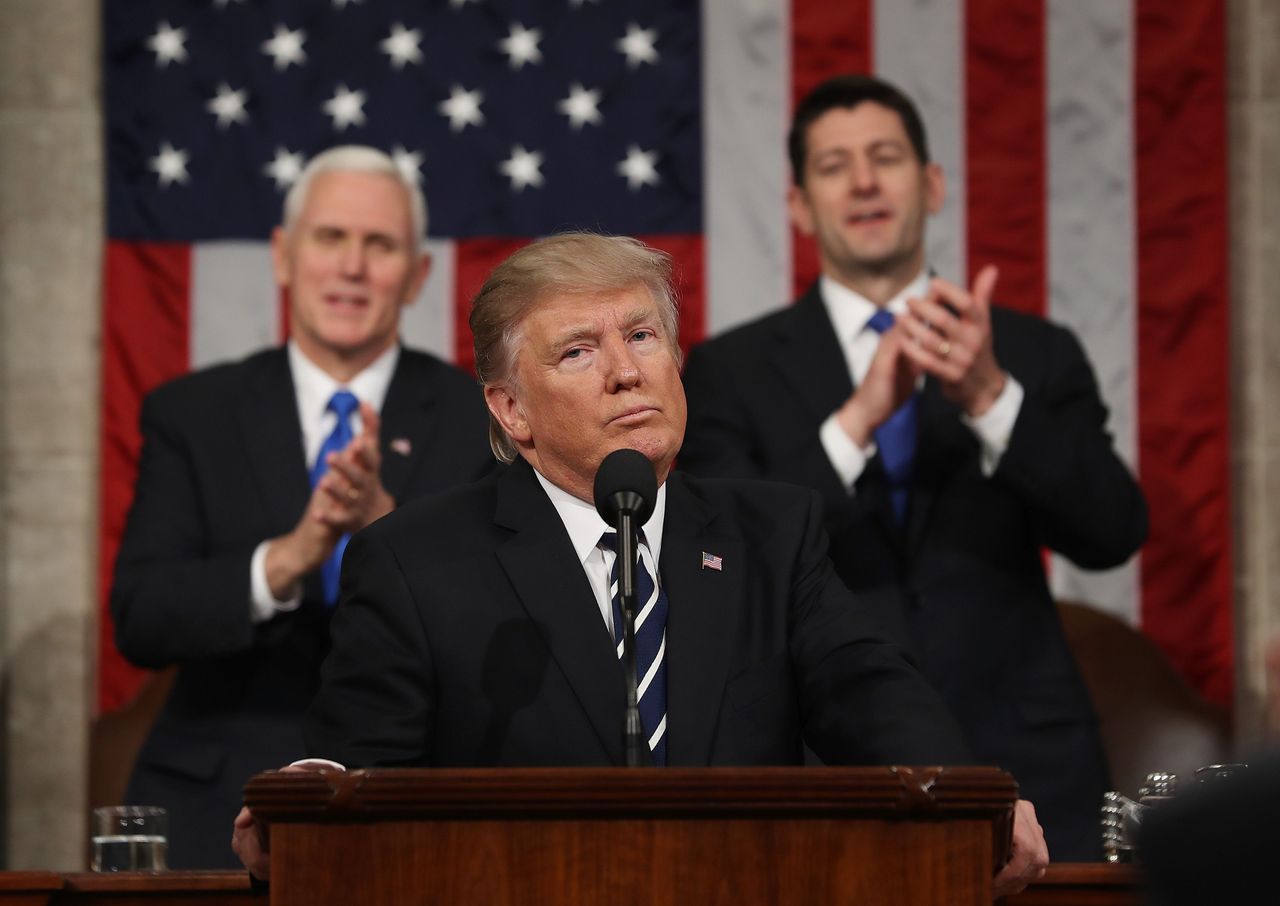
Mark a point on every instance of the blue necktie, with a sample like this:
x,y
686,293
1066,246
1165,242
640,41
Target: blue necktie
x,y
651,645
896,438
343,403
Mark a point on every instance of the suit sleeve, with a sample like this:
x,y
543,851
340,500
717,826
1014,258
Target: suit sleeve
x,y
1084,501
863,701
724,436
376,705
175,596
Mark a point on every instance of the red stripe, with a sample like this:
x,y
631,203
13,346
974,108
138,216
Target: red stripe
x,y
690,285
1005,147
145,341
827,39
473,260
1183,340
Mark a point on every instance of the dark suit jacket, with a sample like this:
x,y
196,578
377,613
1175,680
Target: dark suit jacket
x,y
962,586
223,469
467,634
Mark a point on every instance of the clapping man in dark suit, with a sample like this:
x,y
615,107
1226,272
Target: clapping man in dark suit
x,y
477,628
253,474
951,441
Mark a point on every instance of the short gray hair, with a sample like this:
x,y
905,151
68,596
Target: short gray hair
x,y
574,263
355,159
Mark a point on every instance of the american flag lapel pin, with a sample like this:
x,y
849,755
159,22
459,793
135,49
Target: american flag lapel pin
x,y
711,561
401,445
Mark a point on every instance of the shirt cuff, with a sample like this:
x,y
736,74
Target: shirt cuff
x,y
995,426
263,605
317,763
847,458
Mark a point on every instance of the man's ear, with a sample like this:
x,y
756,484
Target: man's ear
x,y
421,270
799,209
280,256
509,413
935,187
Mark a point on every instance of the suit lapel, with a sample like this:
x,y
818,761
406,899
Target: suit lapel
x,y
943,445
551,585
701,622
273,437
809,359
812,361
407,426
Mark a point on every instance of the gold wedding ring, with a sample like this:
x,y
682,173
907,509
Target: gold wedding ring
x,y
944,348
353,495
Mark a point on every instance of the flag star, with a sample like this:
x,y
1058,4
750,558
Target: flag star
x,y
170,165
167,44
345,107
522,168
285,168
637,44
521,45
228,106
639,167
285,47
402,46
581,106
463,108
409,163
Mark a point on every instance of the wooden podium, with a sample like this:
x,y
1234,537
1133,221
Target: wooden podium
x,y
567,836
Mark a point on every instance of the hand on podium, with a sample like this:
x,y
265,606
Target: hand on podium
x,y
1028,855
249,837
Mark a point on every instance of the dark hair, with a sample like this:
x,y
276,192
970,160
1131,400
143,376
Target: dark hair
x,y
850,91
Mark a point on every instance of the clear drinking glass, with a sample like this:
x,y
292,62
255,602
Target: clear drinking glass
x,y
130,838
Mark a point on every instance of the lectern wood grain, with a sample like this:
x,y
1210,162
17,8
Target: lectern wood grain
x,y
660,836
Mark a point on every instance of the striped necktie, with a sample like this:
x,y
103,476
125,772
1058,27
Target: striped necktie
x,y
651,644
343,403
896,437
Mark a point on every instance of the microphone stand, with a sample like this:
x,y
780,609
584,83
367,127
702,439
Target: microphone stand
x,y
633,732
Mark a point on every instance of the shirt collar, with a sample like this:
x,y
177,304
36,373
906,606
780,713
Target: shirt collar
x,y
849,311
314,386
585,526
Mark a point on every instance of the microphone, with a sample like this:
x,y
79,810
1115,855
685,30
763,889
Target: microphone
x,y
626,489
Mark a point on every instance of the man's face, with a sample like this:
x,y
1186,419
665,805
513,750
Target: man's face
x,y
350,262
593,374
866,195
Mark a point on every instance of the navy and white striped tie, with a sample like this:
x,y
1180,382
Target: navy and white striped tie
x,y
651,644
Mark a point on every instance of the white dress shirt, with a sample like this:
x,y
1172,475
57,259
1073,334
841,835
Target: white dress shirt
x,y
849,312
585,527
313,388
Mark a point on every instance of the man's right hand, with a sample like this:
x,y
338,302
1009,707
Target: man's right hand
x,y
249,838
888,382
291,557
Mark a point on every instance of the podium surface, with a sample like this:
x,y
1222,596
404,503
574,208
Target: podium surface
x,y
735,836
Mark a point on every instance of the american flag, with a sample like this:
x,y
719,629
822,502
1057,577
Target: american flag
x,y
1067,129
711,561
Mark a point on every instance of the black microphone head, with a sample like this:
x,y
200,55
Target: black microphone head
x,y
625,480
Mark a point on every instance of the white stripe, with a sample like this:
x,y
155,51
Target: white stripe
x,y
745,90
658,733
235,306
1091,233
919,47
428,323
653,667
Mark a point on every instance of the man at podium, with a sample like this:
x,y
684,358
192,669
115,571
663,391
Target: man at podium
x,y
479,628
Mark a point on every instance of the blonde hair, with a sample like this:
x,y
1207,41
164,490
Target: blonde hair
x,y
574,263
